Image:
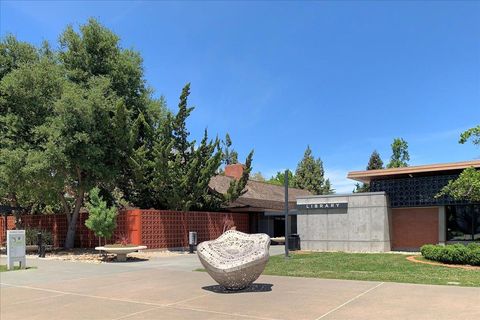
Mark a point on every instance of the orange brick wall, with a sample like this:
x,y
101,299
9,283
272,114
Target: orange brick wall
x,y
57,225
153,228
169,229
414,227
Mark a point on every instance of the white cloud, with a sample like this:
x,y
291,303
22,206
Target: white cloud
x,y
340,182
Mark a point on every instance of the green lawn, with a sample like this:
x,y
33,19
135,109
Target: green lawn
x,y
367,266
3,268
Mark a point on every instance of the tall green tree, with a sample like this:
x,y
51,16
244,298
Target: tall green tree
x,y
467,185
374,163
80,147
472,133
279,179
309,175
28,89
178,176
230,156
183,170
400,156
237,187
258,176
68,116
14,53
82,117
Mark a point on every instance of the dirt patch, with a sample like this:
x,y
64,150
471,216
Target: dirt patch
x,y
94,256
434,263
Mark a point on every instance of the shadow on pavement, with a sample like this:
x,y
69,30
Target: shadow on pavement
x,y
256,287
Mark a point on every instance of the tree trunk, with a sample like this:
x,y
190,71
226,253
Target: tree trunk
x,y
72,223
16,213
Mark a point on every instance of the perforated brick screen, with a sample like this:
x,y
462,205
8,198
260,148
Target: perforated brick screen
x,y
153,228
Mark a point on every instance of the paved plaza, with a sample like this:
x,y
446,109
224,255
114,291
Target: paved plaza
x,y
167,288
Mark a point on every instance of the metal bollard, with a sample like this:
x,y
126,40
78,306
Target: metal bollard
x,y
192,240
41,245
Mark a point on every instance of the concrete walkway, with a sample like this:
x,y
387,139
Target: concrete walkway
x,y
166,288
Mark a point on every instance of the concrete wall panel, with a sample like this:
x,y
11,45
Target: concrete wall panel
x,y
363,227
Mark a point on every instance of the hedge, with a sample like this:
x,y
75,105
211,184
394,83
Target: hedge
x,y
453,253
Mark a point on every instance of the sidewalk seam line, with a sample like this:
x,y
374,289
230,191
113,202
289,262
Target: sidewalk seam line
x,y
36,299
136,313
223,313
186,300
348,301
155,305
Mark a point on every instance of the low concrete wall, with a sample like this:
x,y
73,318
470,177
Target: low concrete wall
x,y
362,227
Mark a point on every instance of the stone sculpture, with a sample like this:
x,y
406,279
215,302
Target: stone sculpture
x,y
235,259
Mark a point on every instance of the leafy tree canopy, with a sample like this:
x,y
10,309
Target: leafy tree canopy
x,y
14,53
400,156
467,185
279,179
82,116
472,133
258,176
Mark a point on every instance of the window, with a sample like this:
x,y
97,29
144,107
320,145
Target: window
x,y
463,222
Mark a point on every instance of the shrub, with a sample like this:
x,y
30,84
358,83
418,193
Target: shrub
x,y
31,236
453,254
101,219
474,254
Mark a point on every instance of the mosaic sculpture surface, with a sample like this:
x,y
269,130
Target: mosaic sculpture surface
x,y
235,259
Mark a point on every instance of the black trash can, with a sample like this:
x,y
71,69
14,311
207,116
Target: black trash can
x,y
294,242
192,240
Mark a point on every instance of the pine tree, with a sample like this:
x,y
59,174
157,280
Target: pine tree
x,y
182,171
258,176
374,163
237,187
309,175
230,156
327,188
400,156
101,219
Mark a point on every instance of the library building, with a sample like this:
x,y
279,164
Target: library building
x,y
401,212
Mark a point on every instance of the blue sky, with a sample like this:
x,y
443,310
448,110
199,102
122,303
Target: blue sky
x,y
343,77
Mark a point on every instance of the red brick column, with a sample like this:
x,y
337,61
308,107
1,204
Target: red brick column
x,y
134,226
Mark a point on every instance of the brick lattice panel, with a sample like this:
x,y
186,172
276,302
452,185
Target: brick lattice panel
x,y
169,229
157,228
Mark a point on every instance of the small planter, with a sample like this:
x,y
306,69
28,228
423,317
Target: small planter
x,y
34,248
120,250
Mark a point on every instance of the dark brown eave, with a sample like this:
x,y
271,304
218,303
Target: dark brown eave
x,y
440,168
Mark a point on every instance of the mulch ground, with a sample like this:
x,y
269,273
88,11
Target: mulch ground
x,y
434,263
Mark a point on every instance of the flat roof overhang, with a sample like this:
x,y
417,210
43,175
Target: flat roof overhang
x,y
291,212
366,176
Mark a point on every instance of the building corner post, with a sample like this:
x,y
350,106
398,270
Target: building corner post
x,y
442,225
286,213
